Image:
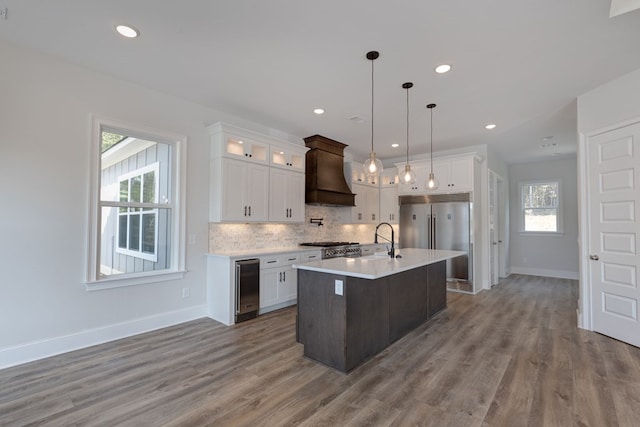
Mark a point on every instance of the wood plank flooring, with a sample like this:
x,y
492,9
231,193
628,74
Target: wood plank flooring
x,y
511,356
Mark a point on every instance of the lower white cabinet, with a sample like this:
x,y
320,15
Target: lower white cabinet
x,y
278,281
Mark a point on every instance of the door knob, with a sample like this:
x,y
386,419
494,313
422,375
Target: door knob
x,y
594,257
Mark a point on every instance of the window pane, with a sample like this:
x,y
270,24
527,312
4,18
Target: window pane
x,y
149,190
134,232
122,232
540,220
540,195
124,190
149,233
135,189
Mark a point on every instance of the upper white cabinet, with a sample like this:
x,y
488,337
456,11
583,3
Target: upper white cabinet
x,y
366,209
389,207
291,158
254,177
286,194
243,192
454,175
422,174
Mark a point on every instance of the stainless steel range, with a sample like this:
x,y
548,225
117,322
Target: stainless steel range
x,y
337,249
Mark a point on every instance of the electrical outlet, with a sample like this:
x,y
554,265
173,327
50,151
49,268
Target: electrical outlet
x,y
339,287
186,292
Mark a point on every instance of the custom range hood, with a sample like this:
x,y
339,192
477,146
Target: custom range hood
x,y
324,179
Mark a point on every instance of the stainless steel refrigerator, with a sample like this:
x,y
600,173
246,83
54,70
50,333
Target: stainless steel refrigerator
x,y
440,222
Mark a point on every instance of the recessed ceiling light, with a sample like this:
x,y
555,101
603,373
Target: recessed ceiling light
x,y
126,31
490,126
318,111
395,145
441,69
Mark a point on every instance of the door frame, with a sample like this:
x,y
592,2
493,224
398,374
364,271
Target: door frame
x,y
585,304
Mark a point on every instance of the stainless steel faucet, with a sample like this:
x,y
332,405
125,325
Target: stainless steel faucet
x,y
392,252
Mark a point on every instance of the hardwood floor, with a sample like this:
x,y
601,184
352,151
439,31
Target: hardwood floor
x,y
511,356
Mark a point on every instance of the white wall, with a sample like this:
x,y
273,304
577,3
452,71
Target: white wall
x,y
45,111
611,105
553,256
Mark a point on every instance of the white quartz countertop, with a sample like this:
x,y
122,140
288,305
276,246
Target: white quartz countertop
x,y
376,266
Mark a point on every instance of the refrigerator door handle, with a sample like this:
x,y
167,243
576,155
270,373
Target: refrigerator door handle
x,y
434,232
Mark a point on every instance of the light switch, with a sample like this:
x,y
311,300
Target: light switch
x,y
339,289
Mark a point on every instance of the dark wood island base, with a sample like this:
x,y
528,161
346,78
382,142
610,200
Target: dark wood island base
x,y
342,331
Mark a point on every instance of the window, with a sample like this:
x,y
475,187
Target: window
x,y
136,216
540,206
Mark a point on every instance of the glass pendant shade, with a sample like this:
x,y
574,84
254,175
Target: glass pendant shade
x,y
372,167
408,176
432,182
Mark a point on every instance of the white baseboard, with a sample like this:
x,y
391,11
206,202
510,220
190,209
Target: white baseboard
x,y
52,346
560,274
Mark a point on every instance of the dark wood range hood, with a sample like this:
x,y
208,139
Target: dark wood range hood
x,y
324,180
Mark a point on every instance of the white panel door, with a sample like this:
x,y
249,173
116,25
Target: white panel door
x,y
614,232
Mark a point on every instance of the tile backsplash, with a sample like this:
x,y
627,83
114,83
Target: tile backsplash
x,y
225,237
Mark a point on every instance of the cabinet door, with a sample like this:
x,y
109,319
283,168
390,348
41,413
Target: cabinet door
x,y
373,205
288,286
295,190
358,212
269,283
461,174
442,172
278,209
258,192
389,209
234,177
422,173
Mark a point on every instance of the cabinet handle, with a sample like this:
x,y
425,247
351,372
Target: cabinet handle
x,y
245,211
249,210
271,262
284,276
373,217
280,277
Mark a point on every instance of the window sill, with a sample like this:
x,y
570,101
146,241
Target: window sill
x,y
133,279
542,233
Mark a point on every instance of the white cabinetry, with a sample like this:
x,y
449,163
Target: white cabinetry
x,y
286,196
422,174
389,207
455,175
278,281
367,201
242,192
254,177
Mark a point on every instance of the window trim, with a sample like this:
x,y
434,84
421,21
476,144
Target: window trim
x,y
177,205
559,210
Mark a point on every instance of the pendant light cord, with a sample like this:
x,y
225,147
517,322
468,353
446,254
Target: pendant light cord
x,y
431,140
407,125
372,104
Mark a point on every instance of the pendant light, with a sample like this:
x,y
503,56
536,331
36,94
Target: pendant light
x,y
372,167
409,176
432,182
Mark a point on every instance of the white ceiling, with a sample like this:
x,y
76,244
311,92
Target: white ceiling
x,y
519,64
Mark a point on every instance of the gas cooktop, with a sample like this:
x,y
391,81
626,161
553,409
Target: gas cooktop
x,y
328,244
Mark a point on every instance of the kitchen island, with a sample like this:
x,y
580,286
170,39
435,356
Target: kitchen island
x,y
349,309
